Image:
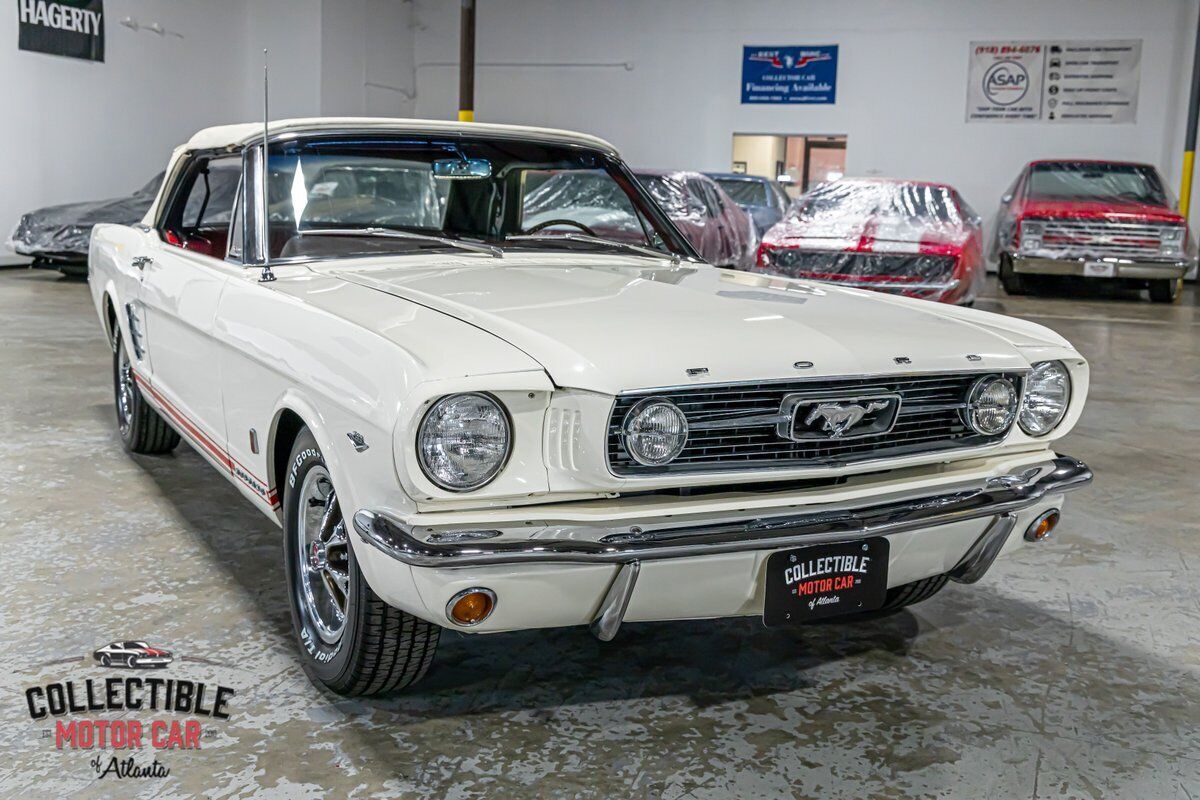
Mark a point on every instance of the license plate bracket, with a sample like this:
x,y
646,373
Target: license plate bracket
x,y
825,580
1099,269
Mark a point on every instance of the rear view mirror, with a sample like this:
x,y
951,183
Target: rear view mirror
x,y
457,169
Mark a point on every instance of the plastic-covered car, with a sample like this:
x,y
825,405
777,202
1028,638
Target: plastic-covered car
x,y
57,236
710,219
760,197
1110,220
904,237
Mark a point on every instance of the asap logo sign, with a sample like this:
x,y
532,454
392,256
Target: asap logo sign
x,y
1006,82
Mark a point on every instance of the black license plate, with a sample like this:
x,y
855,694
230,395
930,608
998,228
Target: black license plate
x,y
825,580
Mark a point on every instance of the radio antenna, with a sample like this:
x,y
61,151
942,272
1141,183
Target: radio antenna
x,y
266,275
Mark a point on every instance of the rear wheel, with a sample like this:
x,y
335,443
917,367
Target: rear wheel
x,y
1010,279
900,596
351,642
1165,291
142,429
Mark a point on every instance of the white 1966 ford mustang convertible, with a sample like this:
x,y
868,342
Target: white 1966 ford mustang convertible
x,y
469,417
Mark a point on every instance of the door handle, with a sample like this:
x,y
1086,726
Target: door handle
x,y
141,261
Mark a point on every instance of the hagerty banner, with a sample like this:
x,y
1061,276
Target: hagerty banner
x,y
73,28
1054,81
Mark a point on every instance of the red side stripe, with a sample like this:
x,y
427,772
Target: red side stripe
x,y
194,433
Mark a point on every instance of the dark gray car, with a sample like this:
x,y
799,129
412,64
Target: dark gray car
x,y
58,236
760,197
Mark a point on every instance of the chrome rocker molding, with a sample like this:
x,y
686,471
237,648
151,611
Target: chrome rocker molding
x,y
998,497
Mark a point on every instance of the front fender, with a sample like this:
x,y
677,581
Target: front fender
x,y
361,479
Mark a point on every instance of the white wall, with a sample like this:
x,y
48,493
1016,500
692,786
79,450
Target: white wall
x,y
76,130
901,91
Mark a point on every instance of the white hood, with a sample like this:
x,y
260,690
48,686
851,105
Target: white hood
x,y
611,323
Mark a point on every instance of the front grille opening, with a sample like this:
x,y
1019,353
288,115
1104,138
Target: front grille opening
x,y
929,421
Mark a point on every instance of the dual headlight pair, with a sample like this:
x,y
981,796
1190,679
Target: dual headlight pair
x,y
464,440
994,401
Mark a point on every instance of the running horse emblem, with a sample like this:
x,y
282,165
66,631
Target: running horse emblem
x,y
839,418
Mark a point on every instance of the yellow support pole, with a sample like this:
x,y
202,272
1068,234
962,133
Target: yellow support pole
x,y
1185,183
466,115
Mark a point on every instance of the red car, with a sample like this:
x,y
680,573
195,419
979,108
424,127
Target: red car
x,y
1110,220
906,237
720,230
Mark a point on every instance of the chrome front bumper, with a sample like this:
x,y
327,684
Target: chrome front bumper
x,y
440,550
1122,268
472,547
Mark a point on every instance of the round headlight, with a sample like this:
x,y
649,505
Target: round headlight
x,y
1047,392
463,441
992,405
655,432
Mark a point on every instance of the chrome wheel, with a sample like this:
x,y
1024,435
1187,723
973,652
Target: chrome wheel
x,y
323,556
125,390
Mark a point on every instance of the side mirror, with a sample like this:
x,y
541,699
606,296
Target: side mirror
x,y
1006,199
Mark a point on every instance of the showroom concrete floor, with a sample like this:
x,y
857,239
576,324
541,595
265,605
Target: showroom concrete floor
x,y
1072,670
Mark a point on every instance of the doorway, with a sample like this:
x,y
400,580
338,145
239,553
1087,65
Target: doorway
x,y
797,161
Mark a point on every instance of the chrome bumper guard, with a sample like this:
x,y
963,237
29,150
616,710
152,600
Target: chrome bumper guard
x,y
998,498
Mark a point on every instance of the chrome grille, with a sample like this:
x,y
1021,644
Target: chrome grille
x,y
745,437
1102,238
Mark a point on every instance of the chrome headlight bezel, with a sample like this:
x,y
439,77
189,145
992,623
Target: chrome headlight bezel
x,y
639,410
1171,240
975,406
1031,391
1031,231
425,429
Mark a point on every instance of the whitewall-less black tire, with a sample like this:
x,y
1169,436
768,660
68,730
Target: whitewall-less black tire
x,y
141,428
351,642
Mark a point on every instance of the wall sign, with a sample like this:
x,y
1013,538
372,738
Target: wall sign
x,y
73,28
797,74
1054,81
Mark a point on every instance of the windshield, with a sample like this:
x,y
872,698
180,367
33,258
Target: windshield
x,y
492,191
743,192
1092,181
840,200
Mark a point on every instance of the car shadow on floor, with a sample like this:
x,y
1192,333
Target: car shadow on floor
x,y
974,667
711,661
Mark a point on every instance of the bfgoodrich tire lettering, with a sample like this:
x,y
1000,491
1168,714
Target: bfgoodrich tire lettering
x,y
141,428
375,648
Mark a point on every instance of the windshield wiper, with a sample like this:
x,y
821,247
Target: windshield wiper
x,y
583,237
391,233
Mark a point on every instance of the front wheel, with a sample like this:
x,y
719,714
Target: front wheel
x,y
1165,291
351,642
1010,279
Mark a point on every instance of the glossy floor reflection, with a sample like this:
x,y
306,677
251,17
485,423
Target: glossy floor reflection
x,y
1070,671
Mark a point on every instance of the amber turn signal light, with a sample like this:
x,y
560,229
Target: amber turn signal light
x,y
471,606
1041,527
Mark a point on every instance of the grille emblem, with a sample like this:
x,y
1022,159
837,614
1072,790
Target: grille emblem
x,y
836,418
808,418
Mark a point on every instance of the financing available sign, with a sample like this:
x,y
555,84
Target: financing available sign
x,y
804,74
1054,81
73,28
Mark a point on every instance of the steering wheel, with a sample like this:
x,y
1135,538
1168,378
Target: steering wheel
x,y
541,226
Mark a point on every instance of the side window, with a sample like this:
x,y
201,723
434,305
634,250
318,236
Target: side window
x,y
201,211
